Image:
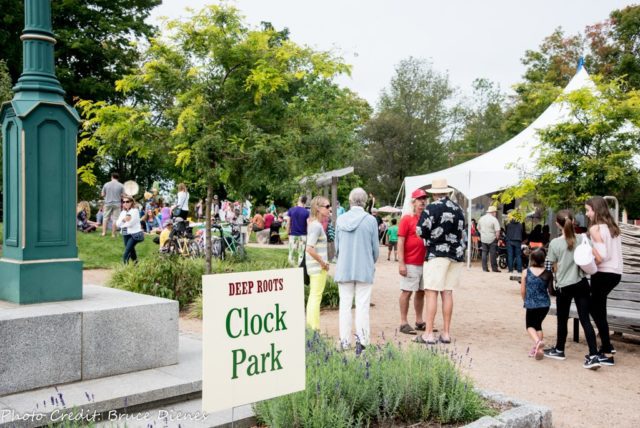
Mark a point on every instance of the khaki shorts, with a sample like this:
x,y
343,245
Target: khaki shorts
x,y
442,273
111,212
413,281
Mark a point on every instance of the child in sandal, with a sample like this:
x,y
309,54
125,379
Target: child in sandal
x,y
534,290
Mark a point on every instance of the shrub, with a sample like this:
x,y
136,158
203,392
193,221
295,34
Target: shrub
x,y
384,385
175,277
330,297
178,278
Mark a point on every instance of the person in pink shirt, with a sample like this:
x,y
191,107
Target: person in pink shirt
x,y
607,250
268,219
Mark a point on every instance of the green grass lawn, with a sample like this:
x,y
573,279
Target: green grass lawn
x,y
98,252
103,252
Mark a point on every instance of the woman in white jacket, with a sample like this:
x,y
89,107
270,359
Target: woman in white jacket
x,y
129,224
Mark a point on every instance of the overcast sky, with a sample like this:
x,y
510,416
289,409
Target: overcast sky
x,y
467,39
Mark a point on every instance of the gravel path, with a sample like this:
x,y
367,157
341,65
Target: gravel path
x,y
488,319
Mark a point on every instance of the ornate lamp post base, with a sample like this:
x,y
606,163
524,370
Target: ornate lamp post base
x,y
40,255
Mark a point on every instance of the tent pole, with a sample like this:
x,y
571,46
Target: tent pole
x,y
398,196
469,237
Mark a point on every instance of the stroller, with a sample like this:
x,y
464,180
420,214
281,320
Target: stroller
x,y
229,238
274,233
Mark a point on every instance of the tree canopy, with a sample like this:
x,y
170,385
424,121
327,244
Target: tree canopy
x,y
610,48
406,135
94,42
593,152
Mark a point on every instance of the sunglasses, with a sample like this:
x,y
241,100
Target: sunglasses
x,y
126,202
326,206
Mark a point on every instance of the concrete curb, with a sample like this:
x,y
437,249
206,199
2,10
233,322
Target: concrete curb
x,y
521,415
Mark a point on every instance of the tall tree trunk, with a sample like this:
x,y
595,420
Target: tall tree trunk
x,y
208,233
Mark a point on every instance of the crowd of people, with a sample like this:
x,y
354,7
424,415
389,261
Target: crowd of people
x,y
429,246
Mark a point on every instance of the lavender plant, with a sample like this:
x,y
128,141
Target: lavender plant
x,y
384,385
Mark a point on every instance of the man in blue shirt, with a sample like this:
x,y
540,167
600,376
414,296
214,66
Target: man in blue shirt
x,y
297,230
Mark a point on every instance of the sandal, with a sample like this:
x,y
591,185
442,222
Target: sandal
x,y
407,329
443,340
420,339
539,350
421,326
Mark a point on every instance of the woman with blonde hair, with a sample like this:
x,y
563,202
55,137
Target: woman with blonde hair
x,y
316,258
607,250
183,202
83,214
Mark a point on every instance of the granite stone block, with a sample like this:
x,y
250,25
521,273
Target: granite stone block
x,y
486,422
126,339
38,350
521,417
108,332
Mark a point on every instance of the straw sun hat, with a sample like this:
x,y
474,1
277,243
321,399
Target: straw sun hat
x,y
439,186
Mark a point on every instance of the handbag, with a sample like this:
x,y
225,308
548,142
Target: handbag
x,y
138,236
331,233
583,257
303,265
175,212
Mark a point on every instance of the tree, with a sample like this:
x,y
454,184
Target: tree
x,y
94,42
615,45
548,71
592,153
5,95
406,135
610,48
223,101
483,120
5,83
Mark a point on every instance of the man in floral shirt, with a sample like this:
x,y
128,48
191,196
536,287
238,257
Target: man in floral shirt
x,y
441,225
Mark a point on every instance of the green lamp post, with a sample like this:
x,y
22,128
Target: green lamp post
x,y
39,252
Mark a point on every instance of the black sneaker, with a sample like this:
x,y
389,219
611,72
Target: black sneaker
x,y
605,361
591,363
611,350
554,353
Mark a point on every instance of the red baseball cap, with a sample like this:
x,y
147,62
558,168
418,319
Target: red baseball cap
x,y
418,193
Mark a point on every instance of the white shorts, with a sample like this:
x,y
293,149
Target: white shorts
x,y
414,280
442,274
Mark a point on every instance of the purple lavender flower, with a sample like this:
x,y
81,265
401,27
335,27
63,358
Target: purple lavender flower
x,y
61,399
87,395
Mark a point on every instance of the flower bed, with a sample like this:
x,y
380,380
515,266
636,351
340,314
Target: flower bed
x,y
382,385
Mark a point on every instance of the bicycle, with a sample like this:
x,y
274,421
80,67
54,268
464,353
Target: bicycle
x,y
229,238
181,241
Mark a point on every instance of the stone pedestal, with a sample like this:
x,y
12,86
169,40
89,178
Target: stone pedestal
x,y
108,332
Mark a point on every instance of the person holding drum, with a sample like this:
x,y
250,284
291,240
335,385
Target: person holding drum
x,y
111,192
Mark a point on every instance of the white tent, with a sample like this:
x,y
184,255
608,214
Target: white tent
x,y
505,165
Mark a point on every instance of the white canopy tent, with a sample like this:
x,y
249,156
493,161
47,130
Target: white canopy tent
x,y
503,166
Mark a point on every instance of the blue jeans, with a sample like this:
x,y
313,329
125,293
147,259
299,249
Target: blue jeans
x,y
514,253
129,249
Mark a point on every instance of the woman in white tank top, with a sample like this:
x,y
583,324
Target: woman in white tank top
x,y
607,250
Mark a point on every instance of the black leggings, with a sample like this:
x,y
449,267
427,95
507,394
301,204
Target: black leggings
x,y
580,293
535,317
601,285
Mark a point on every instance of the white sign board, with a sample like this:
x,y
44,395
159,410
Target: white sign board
x,y
253,337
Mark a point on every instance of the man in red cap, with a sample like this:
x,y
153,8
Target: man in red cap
x,y
411,254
